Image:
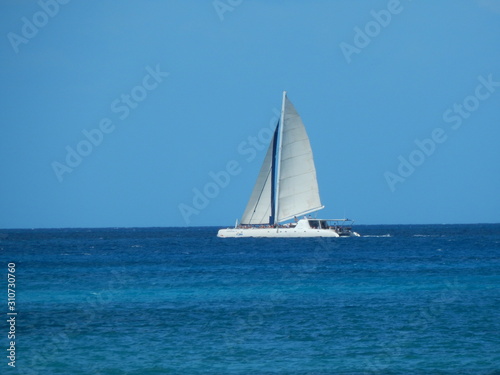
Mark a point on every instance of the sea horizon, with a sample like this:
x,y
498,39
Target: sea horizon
x,y
225,226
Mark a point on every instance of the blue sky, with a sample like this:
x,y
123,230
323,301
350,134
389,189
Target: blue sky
x,y
118,113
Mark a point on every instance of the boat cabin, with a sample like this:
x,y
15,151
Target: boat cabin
x,y
341,226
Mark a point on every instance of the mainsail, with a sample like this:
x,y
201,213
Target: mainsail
x,y
287,184
298,192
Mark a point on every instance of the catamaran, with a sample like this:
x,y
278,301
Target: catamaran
x,y
286,191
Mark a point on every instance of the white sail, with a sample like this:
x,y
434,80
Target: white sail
x,y
287,187
298,192
259,207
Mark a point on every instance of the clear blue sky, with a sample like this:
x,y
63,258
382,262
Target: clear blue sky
x,y
401,101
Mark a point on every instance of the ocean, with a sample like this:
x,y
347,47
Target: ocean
x,y
408,299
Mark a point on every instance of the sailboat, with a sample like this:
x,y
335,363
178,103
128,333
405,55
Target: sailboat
x,y
286,191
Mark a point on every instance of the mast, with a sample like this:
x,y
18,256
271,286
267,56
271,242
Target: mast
x,y
274,143
276,192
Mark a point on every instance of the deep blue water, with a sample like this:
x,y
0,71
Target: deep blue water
x,y
421,299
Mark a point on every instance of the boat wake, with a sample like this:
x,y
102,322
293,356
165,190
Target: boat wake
x,y
378,235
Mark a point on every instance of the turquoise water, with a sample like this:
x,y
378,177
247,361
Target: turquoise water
x,y
401,300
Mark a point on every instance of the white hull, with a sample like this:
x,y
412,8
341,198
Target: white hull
x,y
317,228
275,232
